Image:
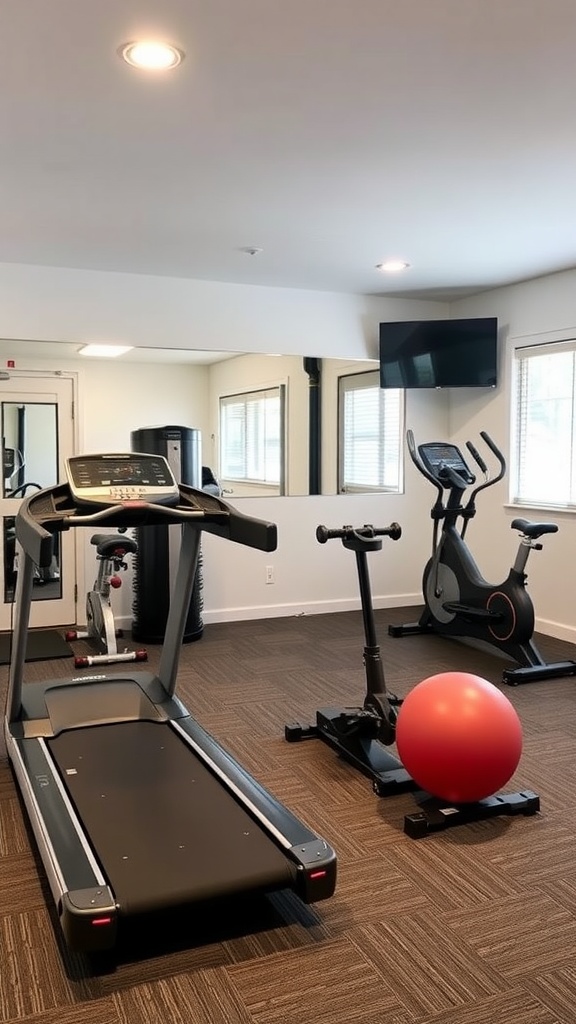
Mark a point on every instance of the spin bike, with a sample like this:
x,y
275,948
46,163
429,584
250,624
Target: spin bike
x,y
458,600
360,735
111,550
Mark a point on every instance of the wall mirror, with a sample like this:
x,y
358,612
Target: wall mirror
x,y
226,374
29,463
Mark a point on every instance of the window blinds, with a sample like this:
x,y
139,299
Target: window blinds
x,y
251,436
544,392
370,432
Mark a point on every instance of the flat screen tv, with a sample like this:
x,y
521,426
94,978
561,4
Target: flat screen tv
x,y
439,353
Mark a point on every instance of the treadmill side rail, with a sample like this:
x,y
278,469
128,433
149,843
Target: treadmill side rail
x,y
84,902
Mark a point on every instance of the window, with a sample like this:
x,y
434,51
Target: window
x,y
544,424
369,434
252,438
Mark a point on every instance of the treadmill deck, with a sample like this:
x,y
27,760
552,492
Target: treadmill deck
x,y
164,829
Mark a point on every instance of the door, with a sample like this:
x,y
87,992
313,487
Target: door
x,y
37,432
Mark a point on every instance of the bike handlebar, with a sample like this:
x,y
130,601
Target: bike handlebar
x,y
367,532
495,451
476,456
415,456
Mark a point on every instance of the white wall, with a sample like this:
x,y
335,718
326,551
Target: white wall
x,y
309,577
51,304
48,304
114,401
55,304
312,577
544,306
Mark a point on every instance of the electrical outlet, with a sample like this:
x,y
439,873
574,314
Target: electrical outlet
x,y
269,574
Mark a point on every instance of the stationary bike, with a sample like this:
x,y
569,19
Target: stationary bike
x,y
111,550
360,735
459,602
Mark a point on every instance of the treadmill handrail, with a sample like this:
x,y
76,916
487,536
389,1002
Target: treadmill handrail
x,y
54,510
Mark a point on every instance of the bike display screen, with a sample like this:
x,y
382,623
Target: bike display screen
x,y
438,456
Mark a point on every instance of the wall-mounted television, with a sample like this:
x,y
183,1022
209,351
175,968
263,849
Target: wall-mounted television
x,y
439,353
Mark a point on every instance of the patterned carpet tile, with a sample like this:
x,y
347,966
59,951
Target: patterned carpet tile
x,y
467,926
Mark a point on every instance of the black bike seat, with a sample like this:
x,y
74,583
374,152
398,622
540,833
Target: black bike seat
x,y
109,543
530,529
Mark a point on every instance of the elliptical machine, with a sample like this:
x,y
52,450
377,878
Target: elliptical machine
x,y
459,602
111,550
360,735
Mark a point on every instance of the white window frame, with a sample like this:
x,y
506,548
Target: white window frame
x,y
264,482
388,443
543,426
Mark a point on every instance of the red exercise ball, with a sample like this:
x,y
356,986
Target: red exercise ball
x,y
459,737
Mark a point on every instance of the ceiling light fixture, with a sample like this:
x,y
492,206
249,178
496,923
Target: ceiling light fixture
x,y
392,266
104,351
151,56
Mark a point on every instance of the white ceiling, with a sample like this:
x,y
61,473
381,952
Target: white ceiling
x,y
331,133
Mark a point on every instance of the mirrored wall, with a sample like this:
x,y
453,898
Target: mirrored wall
x,y
29,463
309,400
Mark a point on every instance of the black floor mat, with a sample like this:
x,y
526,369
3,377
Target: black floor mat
x,y
42,645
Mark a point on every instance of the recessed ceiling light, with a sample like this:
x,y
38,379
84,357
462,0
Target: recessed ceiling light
x,y
151,56
392,266
104,351
250,250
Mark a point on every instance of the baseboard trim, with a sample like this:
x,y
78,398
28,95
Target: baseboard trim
x,y
277,611
557,630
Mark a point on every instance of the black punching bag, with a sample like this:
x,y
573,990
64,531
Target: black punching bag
x,y
158,546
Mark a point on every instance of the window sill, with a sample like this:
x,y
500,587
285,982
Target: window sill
x,y
556,510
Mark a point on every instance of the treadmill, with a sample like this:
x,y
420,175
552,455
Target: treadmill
x,y
134,806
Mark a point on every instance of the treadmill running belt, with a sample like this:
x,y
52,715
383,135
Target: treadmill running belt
x,y
165,830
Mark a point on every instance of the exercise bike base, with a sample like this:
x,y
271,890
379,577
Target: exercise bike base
x,y
87,660
533,670
534,673
409,629
436,815
366,753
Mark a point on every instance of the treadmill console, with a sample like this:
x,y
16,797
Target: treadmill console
x,y
119,477
438,457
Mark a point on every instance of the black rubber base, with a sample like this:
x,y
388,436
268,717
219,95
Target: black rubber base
x,y
41,645
390,778
365,752
536,673
436,815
